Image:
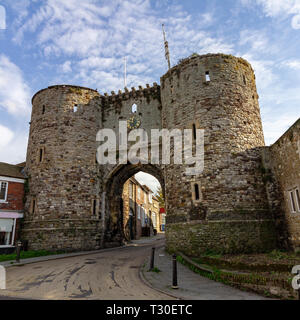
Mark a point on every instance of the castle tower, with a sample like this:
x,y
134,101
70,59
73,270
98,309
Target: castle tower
x,y
62,208
225,207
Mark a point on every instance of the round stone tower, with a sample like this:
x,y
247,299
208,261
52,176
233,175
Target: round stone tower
x,y
225,207
62,207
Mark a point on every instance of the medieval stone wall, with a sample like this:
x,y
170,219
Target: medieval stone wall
x,y
213,92
282,171
231,187
62,170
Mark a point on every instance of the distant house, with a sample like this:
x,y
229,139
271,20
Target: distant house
x,y
162,215
140,210
12,181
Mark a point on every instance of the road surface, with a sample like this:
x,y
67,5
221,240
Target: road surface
x,y
107,275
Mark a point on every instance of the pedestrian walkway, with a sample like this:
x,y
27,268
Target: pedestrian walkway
x,y
191,285
147,240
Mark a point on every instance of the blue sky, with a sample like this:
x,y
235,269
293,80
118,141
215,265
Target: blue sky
x,y
84,42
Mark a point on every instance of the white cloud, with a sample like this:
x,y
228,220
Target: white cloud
x,y
296,22
14,151
281,9
148,180
13,145
274,128
66,67
293,64
98,37
256,39
14,93
6,136
2,18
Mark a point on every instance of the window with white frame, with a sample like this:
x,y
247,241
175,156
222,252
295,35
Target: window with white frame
x,y
294,200
154,219
142,217
139,193
139,212
3,191
130,190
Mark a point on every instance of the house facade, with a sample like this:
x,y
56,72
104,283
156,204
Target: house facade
x,y
140,210
12,182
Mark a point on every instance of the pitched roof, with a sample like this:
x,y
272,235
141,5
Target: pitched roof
x,y
147,188
11,170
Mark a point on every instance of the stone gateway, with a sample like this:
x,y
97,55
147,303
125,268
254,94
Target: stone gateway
x,y
73,203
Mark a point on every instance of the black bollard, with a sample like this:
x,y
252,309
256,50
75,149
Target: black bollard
x,y
299,286
19,244
152,259
175,284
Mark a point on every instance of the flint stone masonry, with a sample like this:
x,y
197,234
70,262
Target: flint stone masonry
x,y
282,175
234,197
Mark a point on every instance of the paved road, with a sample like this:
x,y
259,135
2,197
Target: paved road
x,y
112,275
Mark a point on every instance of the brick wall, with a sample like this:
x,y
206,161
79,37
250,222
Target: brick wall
x,y
15,197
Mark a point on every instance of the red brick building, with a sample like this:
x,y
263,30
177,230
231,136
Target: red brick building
x,y
12,182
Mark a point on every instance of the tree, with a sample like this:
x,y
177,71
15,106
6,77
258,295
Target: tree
x,y
160,197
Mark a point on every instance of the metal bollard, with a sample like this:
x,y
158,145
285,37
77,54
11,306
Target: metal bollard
x,y
19,245
152,259
299,287
175,284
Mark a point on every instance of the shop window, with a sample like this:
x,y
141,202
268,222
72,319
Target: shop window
x,y
3,191
6,231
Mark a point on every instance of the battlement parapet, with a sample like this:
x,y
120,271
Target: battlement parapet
x,y
227,58
71,89
153,91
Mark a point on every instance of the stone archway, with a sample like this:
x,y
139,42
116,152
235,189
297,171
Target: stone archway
x,y
114,232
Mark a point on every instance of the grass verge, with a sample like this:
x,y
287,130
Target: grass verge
x,y
28,254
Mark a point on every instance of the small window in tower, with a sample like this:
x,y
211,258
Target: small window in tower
x,y
33,205
244,79
197,194
134,108
75,108
41,154
293,204
94,207
194,132
207,76
44,109
298,199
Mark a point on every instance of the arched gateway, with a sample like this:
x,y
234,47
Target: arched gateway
x,y
114,231
73,202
